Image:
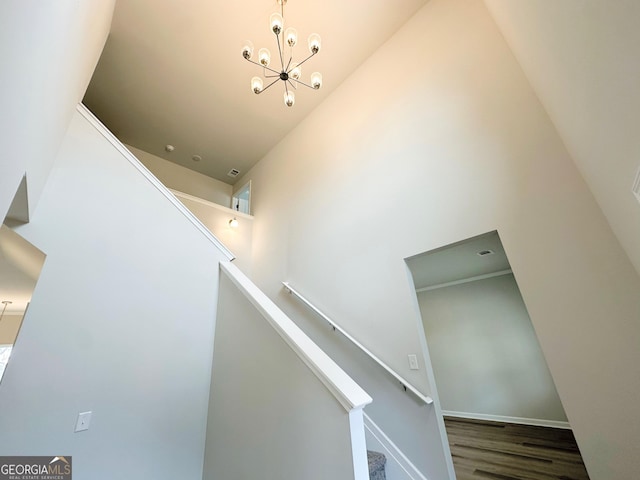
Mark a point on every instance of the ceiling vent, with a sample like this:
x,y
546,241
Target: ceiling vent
x,y
484,253
233,172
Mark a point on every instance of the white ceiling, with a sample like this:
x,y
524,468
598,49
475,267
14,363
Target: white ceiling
x,y
458,261
172,73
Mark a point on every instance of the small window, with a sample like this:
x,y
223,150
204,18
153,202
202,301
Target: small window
x,y
636,185
241,200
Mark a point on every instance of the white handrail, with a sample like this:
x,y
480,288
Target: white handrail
x,y
346,391
407,386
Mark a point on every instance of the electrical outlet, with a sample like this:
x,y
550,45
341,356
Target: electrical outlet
x,y
413,362
82,424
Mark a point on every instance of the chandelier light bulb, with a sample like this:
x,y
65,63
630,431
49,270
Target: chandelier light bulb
x,y
296,72
256,85
233,223
291,36
316,80
314,43
264,56
289,98
247,50
276,23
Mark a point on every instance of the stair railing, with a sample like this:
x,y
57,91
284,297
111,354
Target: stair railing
x,y
403,382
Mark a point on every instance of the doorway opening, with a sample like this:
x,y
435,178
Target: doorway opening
x,y
490,372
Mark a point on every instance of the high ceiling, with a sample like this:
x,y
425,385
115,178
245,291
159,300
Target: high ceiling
x,y
172,73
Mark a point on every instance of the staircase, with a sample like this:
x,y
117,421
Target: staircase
x,y
377,462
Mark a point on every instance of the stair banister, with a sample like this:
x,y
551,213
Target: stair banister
x,y
405,384
346,391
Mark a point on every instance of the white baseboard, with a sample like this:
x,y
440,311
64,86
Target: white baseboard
x,y
499,418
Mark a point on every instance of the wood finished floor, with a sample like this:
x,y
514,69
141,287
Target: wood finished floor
x,y
506,451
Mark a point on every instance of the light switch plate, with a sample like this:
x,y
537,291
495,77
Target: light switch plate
x,y
82,424
413,362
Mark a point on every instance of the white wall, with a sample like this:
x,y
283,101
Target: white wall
x,y
48,51
409,422
9,327
216,219
581,57
269,416
209,200
455,146
485,354
11,174
121,323
184,180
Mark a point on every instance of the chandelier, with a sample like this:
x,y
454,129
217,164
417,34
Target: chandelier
x,y
290,72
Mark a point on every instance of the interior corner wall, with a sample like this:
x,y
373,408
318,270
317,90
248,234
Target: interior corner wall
x,y
485,354
121,323
581,57
48,51
184,180
456,145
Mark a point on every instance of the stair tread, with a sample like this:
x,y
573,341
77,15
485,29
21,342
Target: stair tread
x,y
377,463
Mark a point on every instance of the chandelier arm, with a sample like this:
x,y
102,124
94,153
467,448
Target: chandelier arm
x,y
292,85
299,64
306,84
280,50
288,64
260,65
282,15
270,84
